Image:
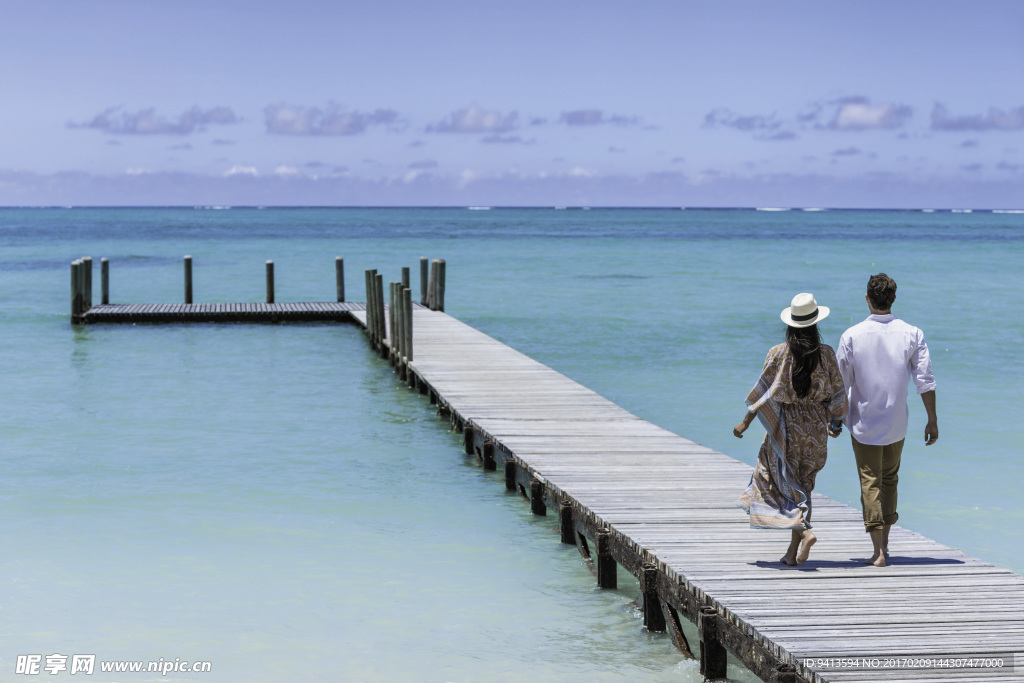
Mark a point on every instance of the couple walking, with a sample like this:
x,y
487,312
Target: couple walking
x,y
806,391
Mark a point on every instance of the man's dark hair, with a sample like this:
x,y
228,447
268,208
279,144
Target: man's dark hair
x,y
881,291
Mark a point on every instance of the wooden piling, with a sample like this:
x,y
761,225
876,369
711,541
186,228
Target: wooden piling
x,y
565,523
432,286
392,301
488,457
339,277
424,266
784,673
405,276
76,292
370,324
87,283
105,281
537,505
468,440
382,331
188,279
654,617
510,475
439,291
270,282
407,328
607,570
712,652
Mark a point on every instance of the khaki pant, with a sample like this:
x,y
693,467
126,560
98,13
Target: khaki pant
x,y
879,468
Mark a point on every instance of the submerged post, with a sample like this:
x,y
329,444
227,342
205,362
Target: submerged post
x,y
424,266
105,280
712,653
654,617
188,279
270,282
566,526
339,276
606,570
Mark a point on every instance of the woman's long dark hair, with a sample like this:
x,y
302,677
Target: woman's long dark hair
x,y
805,345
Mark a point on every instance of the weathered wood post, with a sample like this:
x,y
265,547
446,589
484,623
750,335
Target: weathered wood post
x,y
712,652
424,266
510,475
76,292
432,286
392,346
407,328
400,329
606,568
468,440
491,464
270,282
382,331
537,505
654,617
87,273
439,293
405,276
105,281
188,279
784,673
339,277
367,276
565,524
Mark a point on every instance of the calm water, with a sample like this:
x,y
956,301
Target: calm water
x,y
270,499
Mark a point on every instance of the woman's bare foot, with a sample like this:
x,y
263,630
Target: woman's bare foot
x,y
808,540
789,558
871,560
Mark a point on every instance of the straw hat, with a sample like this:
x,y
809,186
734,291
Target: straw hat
x,y
804,312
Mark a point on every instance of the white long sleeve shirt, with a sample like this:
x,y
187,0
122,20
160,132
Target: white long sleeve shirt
x,y
877,359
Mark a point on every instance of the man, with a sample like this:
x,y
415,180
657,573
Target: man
x,y
877,359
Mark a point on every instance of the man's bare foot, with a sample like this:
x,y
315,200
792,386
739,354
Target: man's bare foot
x,y
871,560
809,539
879,561
789,559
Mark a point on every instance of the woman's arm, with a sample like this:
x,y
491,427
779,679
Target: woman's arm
x,y
738,430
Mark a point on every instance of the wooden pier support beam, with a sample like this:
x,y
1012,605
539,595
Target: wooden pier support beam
x,y
424,277
370,325
510,475
537,505
188,279
654,617
439,292
712,652
382,331
392,326
405,276
607,571
105,281
77,300
490,463
784,673
339,277
270,282
565,523
87,282
407,328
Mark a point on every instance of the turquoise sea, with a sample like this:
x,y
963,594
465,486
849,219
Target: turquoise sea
x,y
270,499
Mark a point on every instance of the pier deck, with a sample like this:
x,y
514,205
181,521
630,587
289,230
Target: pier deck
x,y
670,507
222,312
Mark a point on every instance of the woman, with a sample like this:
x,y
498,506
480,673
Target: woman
x,y
798,395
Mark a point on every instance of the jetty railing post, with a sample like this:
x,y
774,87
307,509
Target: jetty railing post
x,y
424,267
370,324
76,297
339,277
432,286
270,282
537,505
439,293
188,279
654,617
105,280
607,576
400,333
712,652
392,309
405,276
87,272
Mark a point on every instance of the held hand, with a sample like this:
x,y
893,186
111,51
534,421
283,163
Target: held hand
x,y
931,433
738,430
834,433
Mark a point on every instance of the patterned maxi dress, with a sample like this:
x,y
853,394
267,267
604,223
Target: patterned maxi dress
x,y
795,447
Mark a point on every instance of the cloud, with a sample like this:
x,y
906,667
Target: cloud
x,y
973,168
724,118
595,117
117,121
423,165
285,119
507,140
847,152
857,113
242,170
994,119
969,144
473,119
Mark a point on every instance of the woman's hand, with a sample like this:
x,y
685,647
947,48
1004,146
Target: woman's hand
x,y
738,430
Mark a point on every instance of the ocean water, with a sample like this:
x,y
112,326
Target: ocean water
x,y
270,499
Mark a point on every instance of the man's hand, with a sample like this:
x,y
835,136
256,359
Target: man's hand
x,y
931,432
738,430
835,428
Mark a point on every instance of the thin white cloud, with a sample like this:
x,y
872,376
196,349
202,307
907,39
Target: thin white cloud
x,y
596,117
993,119
242,170
117,121
857,113
473,119
285,119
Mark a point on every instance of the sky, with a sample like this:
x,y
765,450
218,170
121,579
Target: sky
x,y
895,104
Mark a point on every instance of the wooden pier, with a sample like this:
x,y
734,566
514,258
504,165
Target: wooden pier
x,y
630,494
